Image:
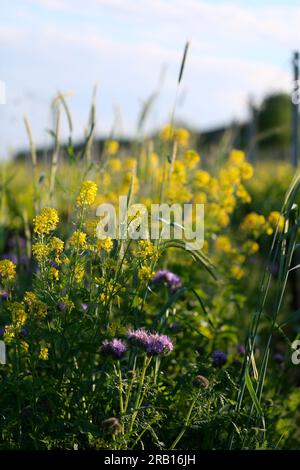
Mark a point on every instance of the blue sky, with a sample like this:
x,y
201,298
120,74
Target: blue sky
x,y
238,49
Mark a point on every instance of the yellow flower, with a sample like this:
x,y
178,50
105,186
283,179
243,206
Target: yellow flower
x,y
105,244
36,307
111,147
202,178
54,274
250,247
182,136
40,252
145,273
78,240
191,158
167,133
236,157
129,165
243,194
24,346
200,198
57,246
9,333
253,224
246,171
47,221
7,270
237,272
222,218
114,164
223,243
30,298
79,273
146,249
44,354
19,315
274,219
87,194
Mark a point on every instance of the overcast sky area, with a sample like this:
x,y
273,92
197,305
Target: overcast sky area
x,y
130,48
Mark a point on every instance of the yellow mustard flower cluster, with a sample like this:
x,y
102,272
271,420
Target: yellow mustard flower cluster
x,y
253,224
44,353
191,158
274,220
145,273
56,246
87,194
18,313
7,270
146,250
180,135
36,307
46,222
111,147
78,240
40,252
79,273
105,244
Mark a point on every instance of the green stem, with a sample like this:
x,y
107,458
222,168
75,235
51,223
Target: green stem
x,y
139,396
186,423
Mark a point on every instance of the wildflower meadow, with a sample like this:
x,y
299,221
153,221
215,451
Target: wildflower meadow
x,y
149,287
137,343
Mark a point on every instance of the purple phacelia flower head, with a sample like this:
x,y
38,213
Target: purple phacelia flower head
x,y
11,256
241,349
172,280
84,306
23,332
152,343
15,242
138,337
4,294
62,306
158,344
219,358
116,348
278,357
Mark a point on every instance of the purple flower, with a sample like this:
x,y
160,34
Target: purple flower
x,y
138,337
2,331
23,331
84,306
152,343
62,306
175,326
219,358
241,349
116,348
171,279
4,294
158,344
278,357
15,242
12,257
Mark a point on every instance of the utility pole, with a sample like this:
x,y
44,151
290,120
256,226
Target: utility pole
x,y
295,110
